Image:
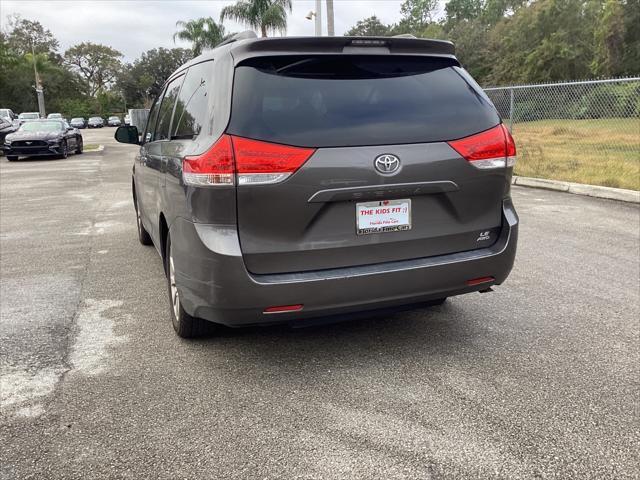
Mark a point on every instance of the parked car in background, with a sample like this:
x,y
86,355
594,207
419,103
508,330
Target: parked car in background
x,y
26,116
42,137
95,122
114,121
8,114
78,122
55,116
325,183
127,119
6,127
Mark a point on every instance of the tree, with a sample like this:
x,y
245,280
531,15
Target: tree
x,y
97,64
26,34
202,33
631,59
460,10
369,27
550,40
264,15
142,81
418,13
471,38
609,40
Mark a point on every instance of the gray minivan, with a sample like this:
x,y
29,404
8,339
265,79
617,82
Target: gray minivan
x,y
283,179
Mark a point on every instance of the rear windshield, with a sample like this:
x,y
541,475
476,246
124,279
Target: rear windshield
x,y
334,101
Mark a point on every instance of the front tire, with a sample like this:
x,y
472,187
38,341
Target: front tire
x,y
79,146
184,324
12,158
64,150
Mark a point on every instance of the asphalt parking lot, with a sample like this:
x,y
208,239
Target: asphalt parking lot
x,y
539,379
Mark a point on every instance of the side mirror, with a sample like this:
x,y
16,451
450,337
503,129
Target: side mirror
x,y
127,134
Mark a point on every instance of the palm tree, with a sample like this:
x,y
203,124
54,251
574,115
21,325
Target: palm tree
x,y
264,15
202,33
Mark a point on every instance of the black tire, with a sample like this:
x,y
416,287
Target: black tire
x,y
143,235
79,146
64,150
12,158
184,324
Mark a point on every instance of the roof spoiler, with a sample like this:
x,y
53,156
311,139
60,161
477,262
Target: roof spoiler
x,y
336,45
238,36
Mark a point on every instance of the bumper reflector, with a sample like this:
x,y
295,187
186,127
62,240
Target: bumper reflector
x,y
283,308
478,281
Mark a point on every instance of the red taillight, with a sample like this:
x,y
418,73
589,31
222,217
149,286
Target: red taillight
x,y
511,147
492,148
216,166
264,162
283,308
253,161
479,281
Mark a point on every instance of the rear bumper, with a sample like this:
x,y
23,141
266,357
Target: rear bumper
x,y
214,283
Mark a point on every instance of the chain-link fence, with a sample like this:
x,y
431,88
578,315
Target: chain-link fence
x,y
585,132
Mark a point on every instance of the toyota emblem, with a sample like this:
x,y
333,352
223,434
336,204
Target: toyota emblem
x,y
387,164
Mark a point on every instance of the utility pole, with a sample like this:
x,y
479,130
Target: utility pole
x,y
38,87
318,18
330,20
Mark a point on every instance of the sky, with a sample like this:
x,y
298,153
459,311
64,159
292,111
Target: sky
x,y
135,26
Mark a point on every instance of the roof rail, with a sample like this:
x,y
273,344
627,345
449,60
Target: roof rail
x,y
404,35
239,36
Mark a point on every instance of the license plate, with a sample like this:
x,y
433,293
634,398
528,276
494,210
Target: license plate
x,y
383,216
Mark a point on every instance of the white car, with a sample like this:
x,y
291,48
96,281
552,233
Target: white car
x,y
127,120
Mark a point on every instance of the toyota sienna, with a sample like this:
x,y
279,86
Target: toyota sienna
x,y
284,179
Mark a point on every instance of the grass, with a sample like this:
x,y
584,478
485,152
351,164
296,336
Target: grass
x,y
597,152
91,146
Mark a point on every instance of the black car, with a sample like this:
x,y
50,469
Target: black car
x,y
42,137
114,121
283,179
95,122
78,122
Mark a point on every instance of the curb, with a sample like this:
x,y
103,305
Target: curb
x,y
620,194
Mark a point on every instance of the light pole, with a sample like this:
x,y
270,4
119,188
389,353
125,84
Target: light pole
x,y
330,21
38,87
318,17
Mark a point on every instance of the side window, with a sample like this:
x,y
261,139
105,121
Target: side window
x,y
166,109
152,120
192,109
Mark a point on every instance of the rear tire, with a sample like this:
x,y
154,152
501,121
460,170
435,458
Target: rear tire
x,y
12,158
184,324
79,147
143,235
